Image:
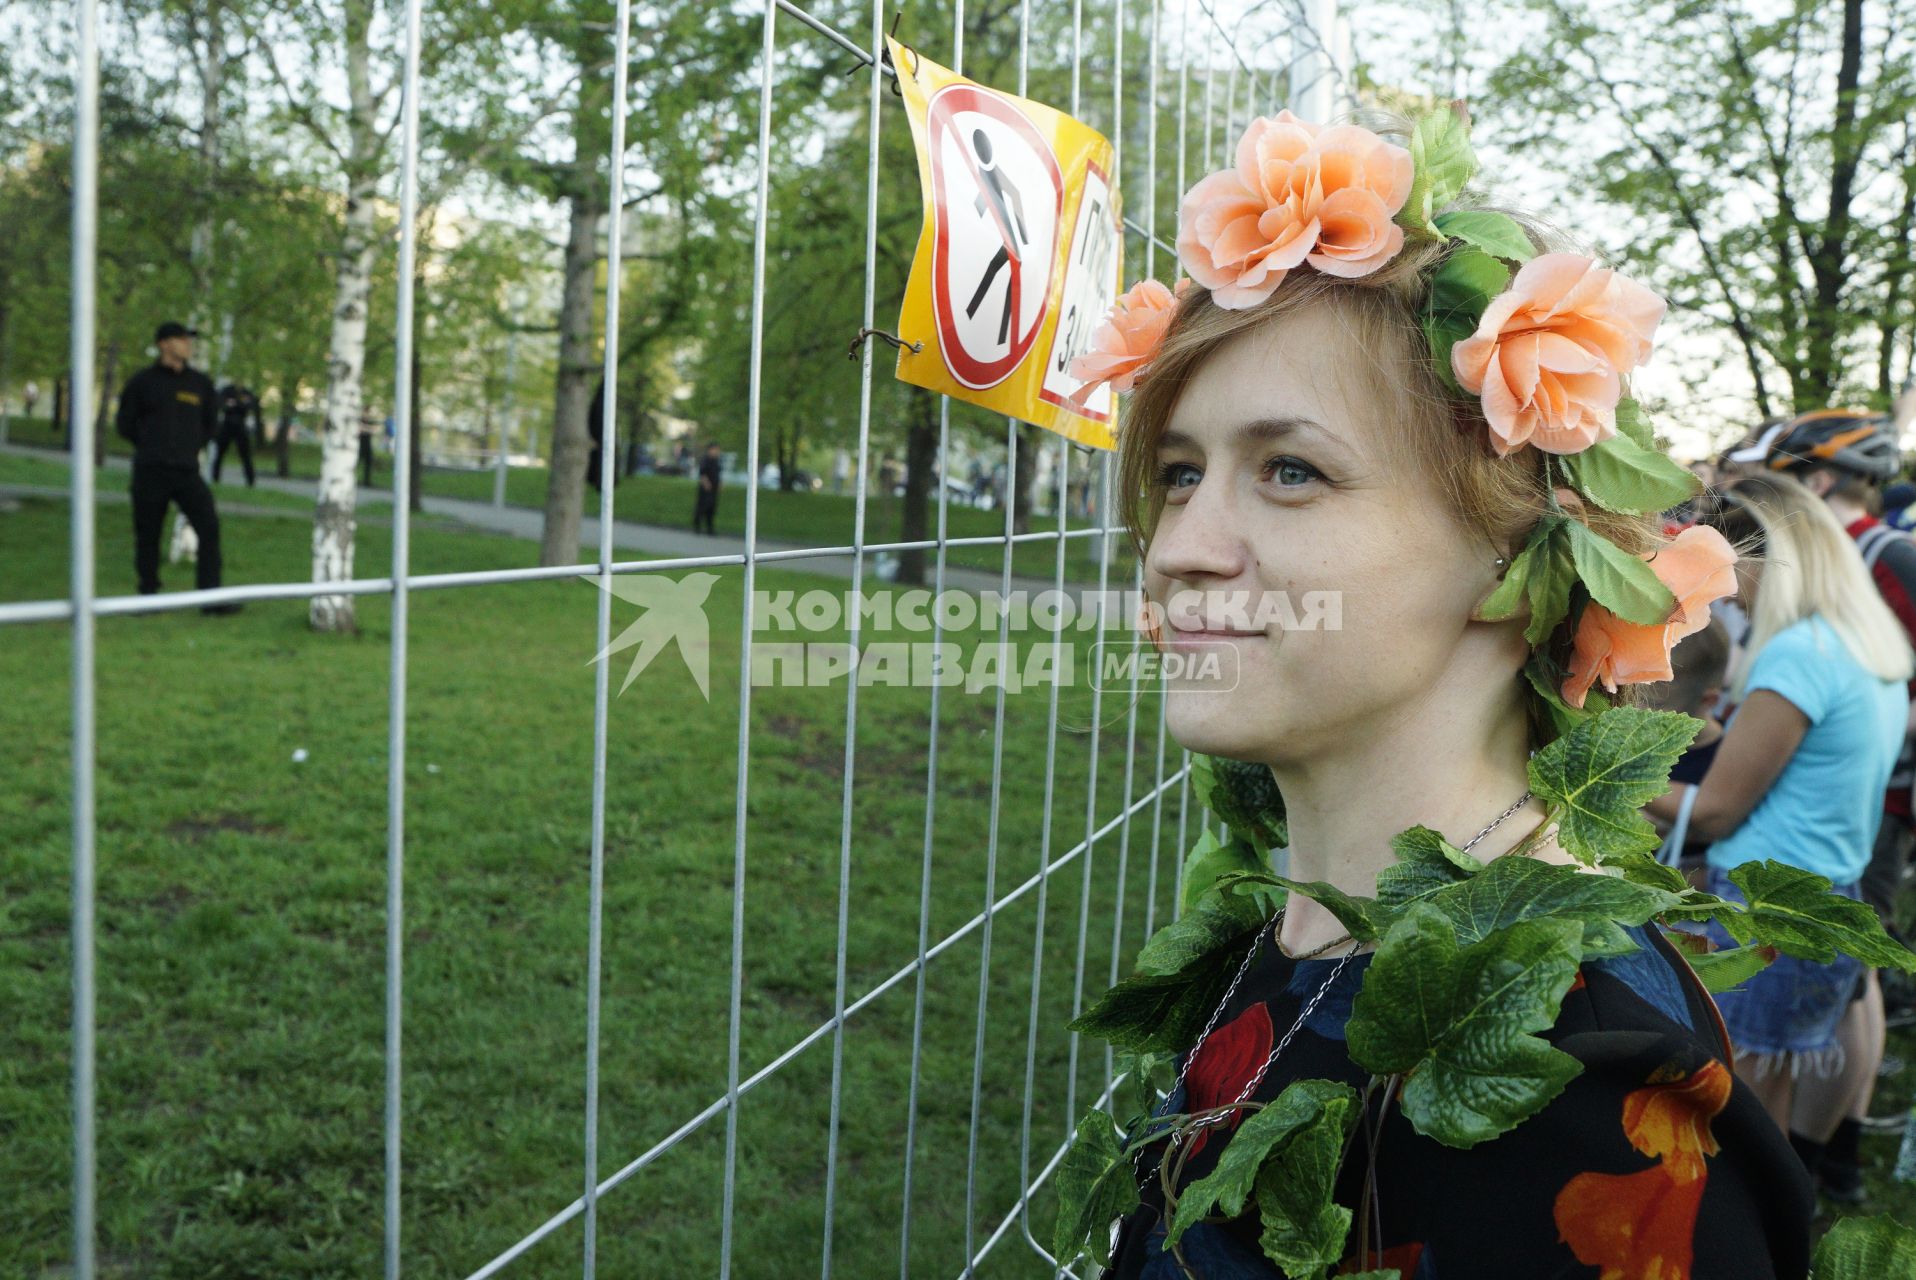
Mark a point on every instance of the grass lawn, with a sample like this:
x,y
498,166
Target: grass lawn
x,y
810,519
241,935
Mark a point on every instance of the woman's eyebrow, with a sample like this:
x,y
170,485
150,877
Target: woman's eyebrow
x,y
1256,431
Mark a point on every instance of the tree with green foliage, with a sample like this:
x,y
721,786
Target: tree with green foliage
x,y
1763,166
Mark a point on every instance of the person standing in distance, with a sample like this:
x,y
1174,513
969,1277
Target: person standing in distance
x,y
707,508
239,409
169,412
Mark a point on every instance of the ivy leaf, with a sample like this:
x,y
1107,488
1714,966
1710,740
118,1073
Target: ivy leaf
x,y
1497,234
1304,1229
1513,890
1421,844
1244,795
1458,1022
1135,1097
1418,870
1794,911
1621,475
1620,582
1363,917
1268,1132
1210,859
1632,423
1163,1012
1603,771
1095,1185
1865,1249
1212,924
1441,163
1641,868
1720,970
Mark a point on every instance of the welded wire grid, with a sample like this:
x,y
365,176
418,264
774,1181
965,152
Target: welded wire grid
x,y
1247,60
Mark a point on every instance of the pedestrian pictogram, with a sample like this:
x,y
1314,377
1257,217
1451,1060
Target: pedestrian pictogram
x,y
1019,256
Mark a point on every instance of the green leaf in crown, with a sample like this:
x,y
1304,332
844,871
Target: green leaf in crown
x,y
1460,289
1442,165
1622,475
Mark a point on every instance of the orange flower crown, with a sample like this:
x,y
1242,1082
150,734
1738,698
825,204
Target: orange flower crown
x,y
1542,341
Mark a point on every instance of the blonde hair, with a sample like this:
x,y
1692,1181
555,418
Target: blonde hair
x,y
1811,568
1443,433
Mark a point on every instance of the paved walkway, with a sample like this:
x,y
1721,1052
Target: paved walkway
x,y
649,541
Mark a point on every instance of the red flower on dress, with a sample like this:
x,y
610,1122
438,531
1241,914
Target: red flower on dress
x,y
1226,1061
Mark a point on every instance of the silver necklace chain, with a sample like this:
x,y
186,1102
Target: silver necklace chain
x,y
1310,1006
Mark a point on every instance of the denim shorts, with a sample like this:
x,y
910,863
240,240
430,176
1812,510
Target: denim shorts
x,y
1786,1016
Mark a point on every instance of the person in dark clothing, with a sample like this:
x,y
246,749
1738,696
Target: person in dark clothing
x,y
168,411
366,450
238,407
595,427
707,507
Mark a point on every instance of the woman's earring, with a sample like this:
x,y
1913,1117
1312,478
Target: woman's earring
x,y
1501,562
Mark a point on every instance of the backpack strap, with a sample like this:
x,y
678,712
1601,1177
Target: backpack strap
x,y
1722,1047
1875,541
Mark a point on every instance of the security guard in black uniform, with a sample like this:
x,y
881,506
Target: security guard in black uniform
x,y
168,410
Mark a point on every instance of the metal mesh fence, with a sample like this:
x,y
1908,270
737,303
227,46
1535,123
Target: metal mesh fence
x,y
1190,69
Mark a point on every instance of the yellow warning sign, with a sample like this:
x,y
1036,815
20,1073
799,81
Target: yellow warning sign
x,y
1020,254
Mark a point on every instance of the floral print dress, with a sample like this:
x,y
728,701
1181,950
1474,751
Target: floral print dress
x,y
1653,1164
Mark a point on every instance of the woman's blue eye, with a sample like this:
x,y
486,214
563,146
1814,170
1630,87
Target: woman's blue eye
x,y
1290,472
1178,475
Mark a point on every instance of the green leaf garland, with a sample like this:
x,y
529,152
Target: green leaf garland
x,y
1458,1022
1601,773
1095,1185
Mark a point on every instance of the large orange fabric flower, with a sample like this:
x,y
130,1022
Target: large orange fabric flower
x,y
1127,340
1550,353
1642,1226
1300,192
1698,566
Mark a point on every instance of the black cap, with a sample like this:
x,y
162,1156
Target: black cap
x,y
174,329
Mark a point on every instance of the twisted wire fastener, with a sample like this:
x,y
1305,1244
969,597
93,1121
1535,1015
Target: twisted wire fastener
x,y
894,339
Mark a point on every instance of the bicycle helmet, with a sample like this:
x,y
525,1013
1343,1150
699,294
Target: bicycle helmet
x,y
1848,439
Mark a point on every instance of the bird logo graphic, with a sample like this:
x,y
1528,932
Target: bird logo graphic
x,y
672,611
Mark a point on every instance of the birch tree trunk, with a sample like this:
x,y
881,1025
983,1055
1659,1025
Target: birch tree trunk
x,y
333,515
212,69
565,488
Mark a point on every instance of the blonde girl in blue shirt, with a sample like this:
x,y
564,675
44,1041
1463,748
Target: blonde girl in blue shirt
x,y
1822,709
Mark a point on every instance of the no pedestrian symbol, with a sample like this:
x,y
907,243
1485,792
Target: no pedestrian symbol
x,y
1018,257
998,197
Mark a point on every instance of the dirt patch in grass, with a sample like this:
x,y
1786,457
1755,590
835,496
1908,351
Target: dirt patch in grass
x,y
194,830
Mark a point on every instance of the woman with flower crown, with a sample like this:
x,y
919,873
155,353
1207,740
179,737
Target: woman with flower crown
x,y
1372,387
